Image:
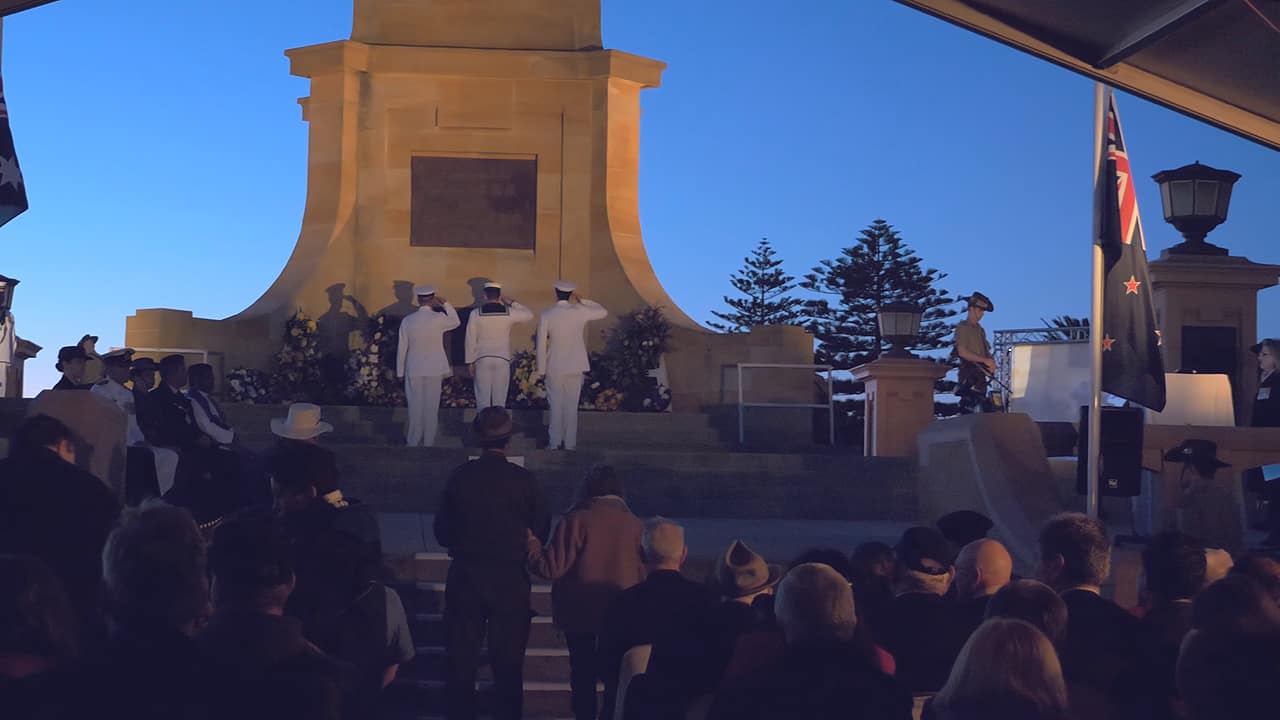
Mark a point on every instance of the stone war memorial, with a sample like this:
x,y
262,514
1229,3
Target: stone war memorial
x,y
450,148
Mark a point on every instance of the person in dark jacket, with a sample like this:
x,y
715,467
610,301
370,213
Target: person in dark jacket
x,y
820,675
1266,413
1174,565
208,480
72,361
157,597
982,568
54,510
922,629
262,664
38,644
666,607
489,508
593,555
1100,654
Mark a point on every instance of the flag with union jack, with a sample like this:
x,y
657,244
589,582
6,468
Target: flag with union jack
x,y
13,194
1132,367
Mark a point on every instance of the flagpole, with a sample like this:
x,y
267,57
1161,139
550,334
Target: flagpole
x,y
1095,316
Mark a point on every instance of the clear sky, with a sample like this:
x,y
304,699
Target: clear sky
x,y
165,154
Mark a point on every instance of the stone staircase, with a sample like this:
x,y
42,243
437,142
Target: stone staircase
x,y
418,692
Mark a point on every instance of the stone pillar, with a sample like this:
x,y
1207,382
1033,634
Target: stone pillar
x,y
899,403
24,352
1195,294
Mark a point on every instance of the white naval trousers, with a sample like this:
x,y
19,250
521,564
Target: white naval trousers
x,y
492,380
563,394
423,394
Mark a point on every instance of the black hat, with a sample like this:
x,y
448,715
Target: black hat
x,y
964,526
492,423
921,543
143,364
744,572
69,353
1257,348
981,301
1200,454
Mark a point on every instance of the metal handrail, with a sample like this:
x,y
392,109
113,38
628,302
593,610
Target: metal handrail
x,y
830,404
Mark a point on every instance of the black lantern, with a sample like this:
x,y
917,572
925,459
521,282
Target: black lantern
x,y
1195,199
900,325
7,284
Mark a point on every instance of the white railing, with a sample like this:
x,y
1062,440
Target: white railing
x,y
829,405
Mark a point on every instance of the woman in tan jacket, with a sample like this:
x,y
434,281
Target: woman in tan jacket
x,y
593,554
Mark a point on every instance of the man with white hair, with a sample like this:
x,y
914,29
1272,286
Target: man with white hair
x,y
982,568
422,362
821,673
665,605
562,359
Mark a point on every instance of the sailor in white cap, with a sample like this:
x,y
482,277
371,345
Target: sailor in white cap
x,y
422,362
562,358
489,344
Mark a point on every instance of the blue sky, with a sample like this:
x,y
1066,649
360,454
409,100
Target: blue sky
x,y
165,154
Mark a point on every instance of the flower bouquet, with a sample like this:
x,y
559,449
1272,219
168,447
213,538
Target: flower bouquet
x,y
297,374
457,392
246,385
528,391
371,368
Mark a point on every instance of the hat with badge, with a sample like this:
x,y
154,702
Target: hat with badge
x,y
980,301
424,290
1200,454
120,357
564,286
493,285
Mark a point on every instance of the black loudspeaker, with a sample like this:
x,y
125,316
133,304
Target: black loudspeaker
x,y
1120,471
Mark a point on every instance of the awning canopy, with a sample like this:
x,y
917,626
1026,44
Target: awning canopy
x,y
1215,60
9,7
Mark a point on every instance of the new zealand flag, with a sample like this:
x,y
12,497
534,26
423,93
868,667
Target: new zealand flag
x,y
13,194
1131,364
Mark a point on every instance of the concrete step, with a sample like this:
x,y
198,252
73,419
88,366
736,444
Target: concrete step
x,y
541,699
429,597
540,665
427,630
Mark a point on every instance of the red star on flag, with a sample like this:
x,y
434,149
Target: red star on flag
x,y
1107,342
1131,287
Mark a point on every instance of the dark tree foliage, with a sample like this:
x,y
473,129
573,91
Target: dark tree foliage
x,y
765,288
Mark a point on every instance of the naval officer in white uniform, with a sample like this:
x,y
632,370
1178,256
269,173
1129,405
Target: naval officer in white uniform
x,y
562,358
117,365
489,345
422,362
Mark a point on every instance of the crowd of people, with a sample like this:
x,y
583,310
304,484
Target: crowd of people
x,y
281,610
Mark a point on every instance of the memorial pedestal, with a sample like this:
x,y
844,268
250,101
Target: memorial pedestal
x,y
899,403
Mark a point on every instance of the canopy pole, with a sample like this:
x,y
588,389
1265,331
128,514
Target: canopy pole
x,y
1095,312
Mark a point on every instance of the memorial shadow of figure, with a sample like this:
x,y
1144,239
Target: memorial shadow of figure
x,y
405,302
334,329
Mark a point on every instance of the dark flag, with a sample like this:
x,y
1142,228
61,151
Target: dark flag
x,y
13,194
1131,364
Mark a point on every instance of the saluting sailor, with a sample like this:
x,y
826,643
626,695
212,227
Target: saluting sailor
x,y
562,358
422,362
489,345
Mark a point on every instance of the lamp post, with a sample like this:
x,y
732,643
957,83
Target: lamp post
x,y
900,325
7,284
1195,198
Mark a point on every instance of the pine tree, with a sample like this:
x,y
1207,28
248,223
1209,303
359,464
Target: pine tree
x,y
878,269
766,286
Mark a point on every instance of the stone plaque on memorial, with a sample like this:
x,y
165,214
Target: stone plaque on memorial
x,y
474,202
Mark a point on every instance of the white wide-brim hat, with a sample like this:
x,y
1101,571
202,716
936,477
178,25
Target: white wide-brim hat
x,y
302,423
